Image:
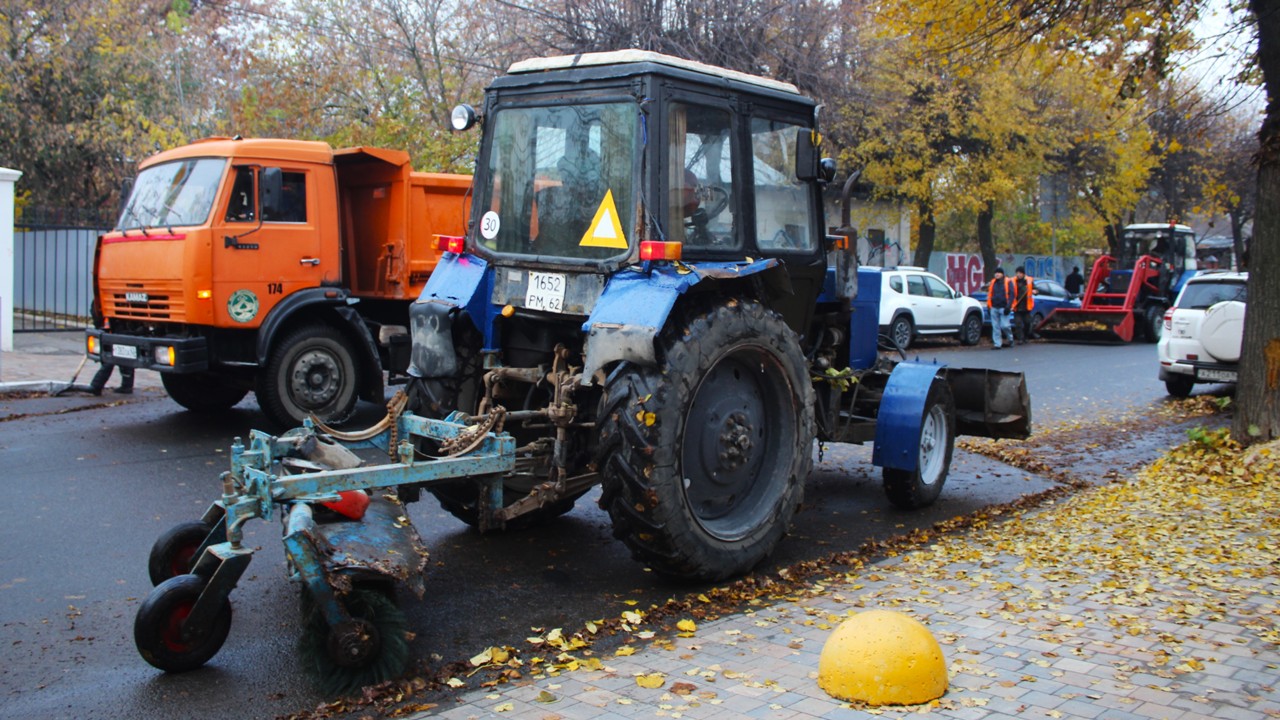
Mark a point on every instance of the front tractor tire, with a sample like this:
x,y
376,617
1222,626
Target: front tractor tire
x,y
704,459
914,489
311,371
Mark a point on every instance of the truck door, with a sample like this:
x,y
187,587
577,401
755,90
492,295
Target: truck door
x,y
260,258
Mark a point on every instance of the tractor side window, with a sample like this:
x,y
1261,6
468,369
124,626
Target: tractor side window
x,y
293,199
243,206
700,170
782,202
915,286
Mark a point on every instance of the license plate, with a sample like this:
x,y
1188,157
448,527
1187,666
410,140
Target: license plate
x,y
1216,375
545,292
125,351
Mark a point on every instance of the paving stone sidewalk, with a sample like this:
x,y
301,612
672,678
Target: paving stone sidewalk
x,y
1022,638
47,361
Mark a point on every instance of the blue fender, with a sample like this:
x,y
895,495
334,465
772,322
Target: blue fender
x,y
897,443
458,283
635,305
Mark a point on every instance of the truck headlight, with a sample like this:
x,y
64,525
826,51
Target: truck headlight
x,y
164,355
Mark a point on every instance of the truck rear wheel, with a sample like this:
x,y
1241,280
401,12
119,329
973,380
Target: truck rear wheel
x,y
704,460
202,392
912,489
311,371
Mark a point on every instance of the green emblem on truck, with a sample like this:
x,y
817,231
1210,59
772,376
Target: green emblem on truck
x,y
242,306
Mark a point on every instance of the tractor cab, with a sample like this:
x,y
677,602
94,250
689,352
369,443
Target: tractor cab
x,y
1173,246
593,163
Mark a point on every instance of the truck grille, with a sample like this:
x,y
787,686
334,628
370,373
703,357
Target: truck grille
x,y
149,300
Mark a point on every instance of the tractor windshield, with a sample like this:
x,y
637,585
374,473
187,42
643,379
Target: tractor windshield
x,y
560,181
173,193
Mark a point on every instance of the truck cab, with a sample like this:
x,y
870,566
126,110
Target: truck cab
x,y
230,251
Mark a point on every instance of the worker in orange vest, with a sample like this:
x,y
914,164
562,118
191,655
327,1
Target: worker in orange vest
x,y
999,300
1023,290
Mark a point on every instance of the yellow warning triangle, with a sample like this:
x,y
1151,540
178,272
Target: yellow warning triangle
x,y
605,231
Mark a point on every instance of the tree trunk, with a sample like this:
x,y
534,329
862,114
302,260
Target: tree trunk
x,y
1258,392
986,243
928,231
1237,237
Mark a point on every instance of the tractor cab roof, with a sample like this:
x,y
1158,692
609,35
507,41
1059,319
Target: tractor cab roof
x,y
620,64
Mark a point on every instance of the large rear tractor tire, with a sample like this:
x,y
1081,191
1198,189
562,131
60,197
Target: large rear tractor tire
x,y
311,371
704,460
1152,324
202,392
913,489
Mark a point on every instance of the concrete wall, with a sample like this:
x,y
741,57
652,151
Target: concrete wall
x,y
7,179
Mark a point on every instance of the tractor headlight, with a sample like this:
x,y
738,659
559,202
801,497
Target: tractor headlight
x,y
463,117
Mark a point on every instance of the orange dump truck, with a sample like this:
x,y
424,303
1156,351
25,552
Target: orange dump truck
x,y
283,267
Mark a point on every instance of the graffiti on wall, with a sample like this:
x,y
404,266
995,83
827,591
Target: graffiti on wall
x,y
880,251
964,271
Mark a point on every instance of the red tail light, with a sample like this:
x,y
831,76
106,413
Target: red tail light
x,y
1168,319
654,250
451,243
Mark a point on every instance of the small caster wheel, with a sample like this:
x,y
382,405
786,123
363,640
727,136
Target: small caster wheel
x,y
174,552
162,634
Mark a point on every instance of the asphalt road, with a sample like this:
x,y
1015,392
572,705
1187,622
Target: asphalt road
x,y
85,494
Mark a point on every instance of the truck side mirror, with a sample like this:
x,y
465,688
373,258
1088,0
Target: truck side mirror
x,y
270,191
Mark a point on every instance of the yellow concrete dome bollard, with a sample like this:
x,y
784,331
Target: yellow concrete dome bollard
x,y
882,658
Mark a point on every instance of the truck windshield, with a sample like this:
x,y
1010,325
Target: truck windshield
x,y
560,181
173,193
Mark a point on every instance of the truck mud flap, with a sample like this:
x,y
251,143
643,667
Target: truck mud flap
x,y
990,403
1081,325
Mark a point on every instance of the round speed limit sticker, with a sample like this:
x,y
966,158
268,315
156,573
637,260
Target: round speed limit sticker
x,y
489,225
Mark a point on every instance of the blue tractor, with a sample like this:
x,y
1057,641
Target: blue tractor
x,y
647,300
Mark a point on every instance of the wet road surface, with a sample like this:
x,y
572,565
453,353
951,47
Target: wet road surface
x,y
87,492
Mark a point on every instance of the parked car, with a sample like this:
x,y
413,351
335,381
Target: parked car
x,y
914,303
1203,332
1050,295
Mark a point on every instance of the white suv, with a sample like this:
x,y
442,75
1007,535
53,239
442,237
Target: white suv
x,y
1203,332
915,302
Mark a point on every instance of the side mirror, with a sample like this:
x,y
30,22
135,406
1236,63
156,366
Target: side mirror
x,y
270,190
807,155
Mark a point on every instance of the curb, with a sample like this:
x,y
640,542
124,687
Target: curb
x,y
51,387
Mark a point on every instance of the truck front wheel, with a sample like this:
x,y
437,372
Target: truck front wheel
x,y
202,392
704,460
311,371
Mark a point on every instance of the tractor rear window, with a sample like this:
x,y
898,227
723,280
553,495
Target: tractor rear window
x,y
1204,295
560,181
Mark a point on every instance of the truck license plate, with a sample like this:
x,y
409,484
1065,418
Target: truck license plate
x,y
125,351
1216,375
545,292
